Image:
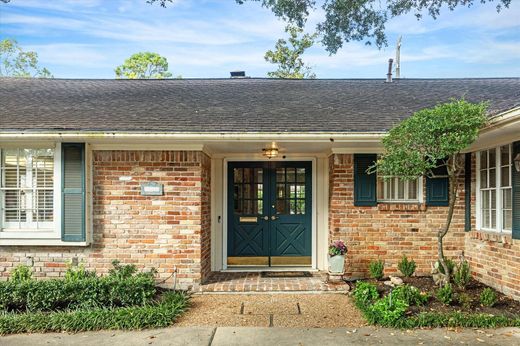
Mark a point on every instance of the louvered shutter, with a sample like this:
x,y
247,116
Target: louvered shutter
x,y
365,185
516,193
467,192
73,192
437,188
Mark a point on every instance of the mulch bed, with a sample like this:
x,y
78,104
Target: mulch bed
x,y
505,306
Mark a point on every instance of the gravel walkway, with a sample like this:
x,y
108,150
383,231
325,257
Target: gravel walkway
x,y
272,310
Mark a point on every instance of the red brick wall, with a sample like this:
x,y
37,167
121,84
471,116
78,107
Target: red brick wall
x,y
494,257
389,230
149,231
495,260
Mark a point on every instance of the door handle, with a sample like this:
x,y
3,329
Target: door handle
x,y
266,218
274,217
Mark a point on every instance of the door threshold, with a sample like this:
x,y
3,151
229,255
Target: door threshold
x,y
268,269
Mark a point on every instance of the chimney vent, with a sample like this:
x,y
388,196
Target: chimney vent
x,y
238,74
389,74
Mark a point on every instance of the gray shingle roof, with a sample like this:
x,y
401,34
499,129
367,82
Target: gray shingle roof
x,y
234,105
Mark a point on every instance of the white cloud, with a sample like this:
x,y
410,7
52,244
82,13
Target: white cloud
x,y
71,54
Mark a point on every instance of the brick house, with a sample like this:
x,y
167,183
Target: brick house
x,y
174,174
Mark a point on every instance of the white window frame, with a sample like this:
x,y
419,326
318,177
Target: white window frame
x,y
417,200
54,231
499,190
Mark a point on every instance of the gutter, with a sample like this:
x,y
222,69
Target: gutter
x,y
204,136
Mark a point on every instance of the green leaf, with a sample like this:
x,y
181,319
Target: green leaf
x,y
144,65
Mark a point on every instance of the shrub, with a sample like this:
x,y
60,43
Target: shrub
x,y
488,297
464,300
450,264
410,294
80,290
376,269
75,273
462,275
445,294
365,294
407,268
386,311
122,271
21,273
158,314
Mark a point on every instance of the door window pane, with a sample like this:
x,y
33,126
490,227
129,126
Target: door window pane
x,y
280,175
237,174
248,190
290,190
300,175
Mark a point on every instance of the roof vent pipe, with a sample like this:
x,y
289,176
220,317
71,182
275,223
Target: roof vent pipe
x,y
389,74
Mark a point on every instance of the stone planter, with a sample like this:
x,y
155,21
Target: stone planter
x,y
337,264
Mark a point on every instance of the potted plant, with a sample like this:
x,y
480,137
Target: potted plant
x,y
337,252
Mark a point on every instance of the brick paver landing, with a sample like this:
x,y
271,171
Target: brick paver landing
x,y
227,282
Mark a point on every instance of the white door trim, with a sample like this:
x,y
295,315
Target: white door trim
x,y
225,204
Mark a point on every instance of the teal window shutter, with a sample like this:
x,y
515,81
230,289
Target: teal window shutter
x,y
365,185
467,192
437,188
516,193
73,192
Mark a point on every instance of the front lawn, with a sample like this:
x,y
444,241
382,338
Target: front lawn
x,y
123,299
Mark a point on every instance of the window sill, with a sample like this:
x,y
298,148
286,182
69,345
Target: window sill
x,y
40,242
492,236
401,206
20,234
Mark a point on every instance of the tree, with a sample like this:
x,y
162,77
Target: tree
x,y
288,55
15,62
355,20
429,139
144,65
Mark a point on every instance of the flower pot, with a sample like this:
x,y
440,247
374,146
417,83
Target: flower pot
x,y
337,264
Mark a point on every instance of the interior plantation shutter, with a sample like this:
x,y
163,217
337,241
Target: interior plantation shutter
x,y
516,193
73,192
467,192
365,185
437,188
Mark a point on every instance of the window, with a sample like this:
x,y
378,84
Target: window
x,y
27,189
396,189
495,189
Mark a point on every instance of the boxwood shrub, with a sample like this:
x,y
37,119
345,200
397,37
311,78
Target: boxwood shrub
x,y
84,290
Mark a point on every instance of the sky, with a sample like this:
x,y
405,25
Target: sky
x,y
210,38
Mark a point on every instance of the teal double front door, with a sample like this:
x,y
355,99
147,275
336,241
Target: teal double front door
x,y
269,213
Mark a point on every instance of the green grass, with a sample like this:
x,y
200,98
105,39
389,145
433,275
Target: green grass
x,y
159,314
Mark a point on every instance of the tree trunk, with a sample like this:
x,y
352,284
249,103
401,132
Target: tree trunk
x,y
453,173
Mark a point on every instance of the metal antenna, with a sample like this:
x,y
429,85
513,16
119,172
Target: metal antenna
x,y
398,58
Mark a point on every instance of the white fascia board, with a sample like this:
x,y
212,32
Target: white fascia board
x,y
191,136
